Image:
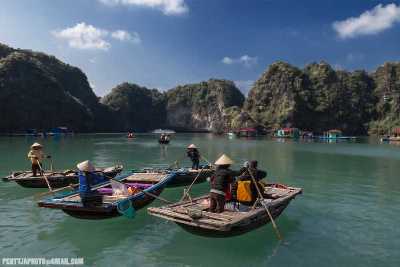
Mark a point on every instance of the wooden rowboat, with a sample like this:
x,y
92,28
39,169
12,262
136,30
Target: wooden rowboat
x,y
72,205
163,142
183,176
194,217
56,179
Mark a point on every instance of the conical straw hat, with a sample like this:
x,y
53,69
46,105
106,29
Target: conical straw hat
x,y
192,146
224,160
36,145
85,166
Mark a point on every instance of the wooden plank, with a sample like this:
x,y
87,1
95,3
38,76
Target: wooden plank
x,y
214,216
220,229
173,214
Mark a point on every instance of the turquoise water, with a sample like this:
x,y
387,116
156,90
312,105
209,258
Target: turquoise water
x,y
347,216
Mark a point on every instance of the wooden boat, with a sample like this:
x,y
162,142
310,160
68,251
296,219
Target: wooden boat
x,y
288,133
183,176
335,134
56,178
194,217
107,208
163,142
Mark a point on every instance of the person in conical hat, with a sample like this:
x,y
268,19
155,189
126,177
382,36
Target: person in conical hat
x,y
224,160
86,166
194,155
87,179
221,183
36,157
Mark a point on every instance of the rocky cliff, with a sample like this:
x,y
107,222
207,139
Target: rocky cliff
x,y
136,108
39,91
316,98
202,106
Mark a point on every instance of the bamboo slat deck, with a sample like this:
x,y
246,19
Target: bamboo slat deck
x,y
195,217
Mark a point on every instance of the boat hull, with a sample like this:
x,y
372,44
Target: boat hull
x,y
98,213
72,205
236,230
182,178
55,181
194,216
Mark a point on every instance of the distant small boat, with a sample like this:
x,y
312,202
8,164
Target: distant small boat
x,y
131,135
394,136
110,204
163,131
247,132
56,179
307,135
194,217
62,130
335,134
288,133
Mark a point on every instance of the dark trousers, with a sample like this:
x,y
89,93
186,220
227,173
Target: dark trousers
x,y
35,169
217,202
195,164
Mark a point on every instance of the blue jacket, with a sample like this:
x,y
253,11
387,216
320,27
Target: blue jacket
x,y
89,179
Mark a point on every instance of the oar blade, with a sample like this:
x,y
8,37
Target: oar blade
x,y
126,209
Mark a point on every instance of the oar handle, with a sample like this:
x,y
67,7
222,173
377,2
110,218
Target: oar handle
x,y
261,197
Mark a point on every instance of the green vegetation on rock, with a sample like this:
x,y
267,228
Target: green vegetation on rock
x,y
136,108
39,91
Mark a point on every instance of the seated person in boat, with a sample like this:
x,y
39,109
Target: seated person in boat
x,y
87,179
194,155
220,183
244,190
36,155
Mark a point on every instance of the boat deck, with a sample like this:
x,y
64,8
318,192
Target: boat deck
x,y
196,215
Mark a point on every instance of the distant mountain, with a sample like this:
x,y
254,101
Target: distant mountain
x,y
202,106
136,108
39,91
318,98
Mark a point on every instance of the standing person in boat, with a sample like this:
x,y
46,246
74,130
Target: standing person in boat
x,y
36,155
87,179
246,176
220,183
194,155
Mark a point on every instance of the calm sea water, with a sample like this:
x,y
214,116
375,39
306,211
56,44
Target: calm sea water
x,y
348,215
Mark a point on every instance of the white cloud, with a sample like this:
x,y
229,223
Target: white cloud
x,y
122,36
370,22
227,60
168,7
83,36
246,60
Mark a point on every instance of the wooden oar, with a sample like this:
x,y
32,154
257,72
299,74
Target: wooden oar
x,y
186,192
45,177
40,195
147,193
209,163
265,206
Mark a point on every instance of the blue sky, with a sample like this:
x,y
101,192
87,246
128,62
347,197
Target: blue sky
x,y
163,43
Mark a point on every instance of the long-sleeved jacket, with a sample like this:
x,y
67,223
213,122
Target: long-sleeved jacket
x,y
36,155
193,154
221,179
87,180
